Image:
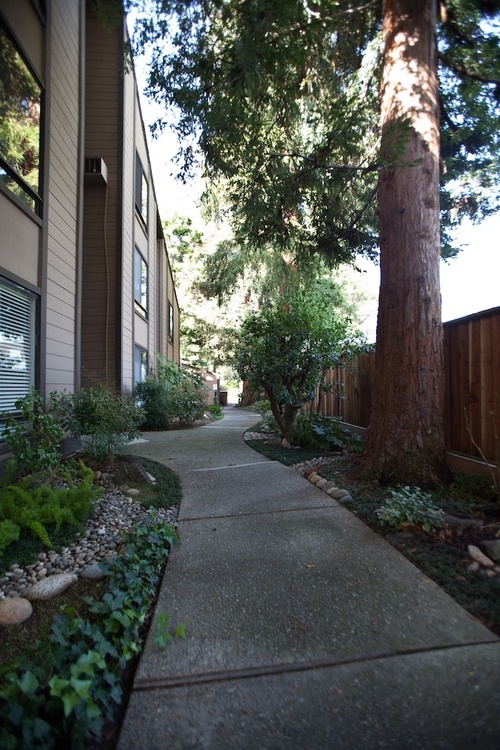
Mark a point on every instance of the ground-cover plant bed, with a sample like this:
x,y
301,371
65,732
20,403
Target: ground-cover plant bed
x,y
63,694
164,493
287,456
65,673
442,551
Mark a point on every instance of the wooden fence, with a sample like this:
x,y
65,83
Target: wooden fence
x,y
472,372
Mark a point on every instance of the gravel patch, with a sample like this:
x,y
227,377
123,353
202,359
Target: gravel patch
x,y
114,514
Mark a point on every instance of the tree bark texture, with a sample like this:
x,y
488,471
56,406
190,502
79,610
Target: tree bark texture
x,y
406,435
286,420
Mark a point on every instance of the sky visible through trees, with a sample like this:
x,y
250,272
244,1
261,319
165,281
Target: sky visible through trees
x,y
469,282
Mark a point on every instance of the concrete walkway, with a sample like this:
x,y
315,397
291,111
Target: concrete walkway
x,y
305,630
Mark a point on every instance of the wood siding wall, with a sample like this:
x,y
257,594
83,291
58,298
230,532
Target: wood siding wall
x,y
78,257
101,232
129,237
44,254
472,371
63,200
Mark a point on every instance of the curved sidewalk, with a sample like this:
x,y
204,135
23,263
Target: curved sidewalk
x,y
305,629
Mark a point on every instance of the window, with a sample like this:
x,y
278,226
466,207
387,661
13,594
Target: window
x,y
17,343
170,321
140,283
141,191
20,116
140,364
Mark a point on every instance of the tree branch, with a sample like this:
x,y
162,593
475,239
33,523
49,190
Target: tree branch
x,y
317,165
348,11
461,70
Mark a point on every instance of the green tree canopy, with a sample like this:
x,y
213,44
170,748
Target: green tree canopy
x,y
280,100
287,348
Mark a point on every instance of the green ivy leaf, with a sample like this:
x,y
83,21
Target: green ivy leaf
x,y
81,687
28,683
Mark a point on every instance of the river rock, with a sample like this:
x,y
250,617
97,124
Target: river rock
x,y
492,547
275,440
479,557
93,573
50,586
329,487
15,611
461,523
340,494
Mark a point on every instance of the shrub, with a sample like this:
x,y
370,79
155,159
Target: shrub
x,y
33,435
325,434
155,401
215,410
105,419
409,506
264,406
9,532
186,391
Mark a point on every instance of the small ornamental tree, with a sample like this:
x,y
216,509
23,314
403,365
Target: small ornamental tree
x,y
286,349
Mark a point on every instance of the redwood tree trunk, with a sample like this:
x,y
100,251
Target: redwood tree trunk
x,y
406,435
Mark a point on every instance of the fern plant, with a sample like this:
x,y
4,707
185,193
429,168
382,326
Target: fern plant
x,y
31,510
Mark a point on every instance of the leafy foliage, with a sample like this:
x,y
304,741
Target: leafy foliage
x,y
106,419
325,434
178,395
155,401
281,101
263,86
33,509
63,699
215,410
186,390
410,506
33,434
209,315
286,350
164,634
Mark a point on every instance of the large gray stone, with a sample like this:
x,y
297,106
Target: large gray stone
x,y
50,586
492,548
14,611
461,523
93,573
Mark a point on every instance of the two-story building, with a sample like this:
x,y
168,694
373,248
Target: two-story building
x,y
86,289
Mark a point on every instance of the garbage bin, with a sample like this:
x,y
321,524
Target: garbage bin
x,y
223,398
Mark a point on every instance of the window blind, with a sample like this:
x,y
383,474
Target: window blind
x,y
17,344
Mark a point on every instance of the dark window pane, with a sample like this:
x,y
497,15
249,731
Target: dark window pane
x,y
140,364
140,282
141,190
20,112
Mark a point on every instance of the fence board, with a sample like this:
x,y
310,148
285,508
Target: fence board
x,y
472,377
